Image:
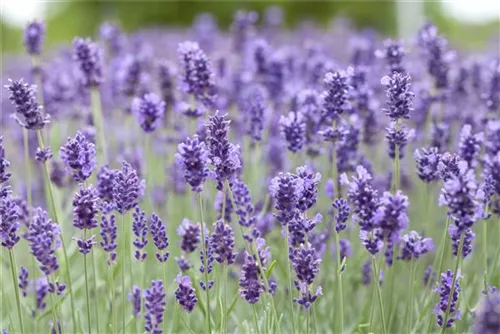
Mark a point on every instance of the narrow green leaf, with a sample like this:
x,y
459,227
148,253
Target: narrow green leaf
x,y
270,269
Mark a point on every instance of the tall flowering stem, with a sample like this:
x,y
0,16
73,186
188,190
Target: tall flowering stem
x,y
56,218
97,118
16,289
455,274
379,293
89,321
208,325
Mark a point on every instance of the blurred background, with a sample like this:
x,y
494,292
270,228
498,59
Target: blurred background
x,y
467,23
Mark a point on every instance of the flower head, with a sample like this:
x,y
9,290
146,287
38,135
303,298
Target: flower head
x,y
159,235
29,114
293,130
190,234
336,95
154,305
427,161
487,316
34,34
140,229
222,243
444,290
310,182
286,190
79,155
197,74
413,246
108,236
135,297
43,155
126,188
469,145
343,211
149,111
44,239
192,156
85,208
223,154
185,293
88,57
399,96
9,222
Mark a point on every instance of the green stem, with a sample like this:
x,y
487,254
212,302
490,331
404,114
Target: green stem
x,y
97,118
27,162
485,253
54,307
379,293
123,264
410,306
183,317
89,321
63,243
208,325
164,275
112,302
396,163
224,298
96,303
255,317
455,273
289,276
339,282
307,321
16,289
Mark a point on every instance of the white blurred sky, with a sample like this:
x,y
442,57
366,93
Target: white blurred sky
x,y
18,12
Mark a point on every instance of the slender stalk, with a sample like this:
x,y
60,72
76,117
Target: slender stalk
x,y
27,163
372,309
339,282
164,274
124,256
410,306
63,243
112,304
89,321
485,252
16,289
224,298
256,323
96,303
396,163
289,276
183,318
308,316
379,293
455,273
95,99
208,325
54,307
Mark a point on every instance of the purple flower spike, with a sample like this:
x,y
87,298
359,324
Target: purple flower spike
x,y
343,211
88,57
105,183
363,197
305,263
393,53
108,236
149,111
126,188
44,239
85,245
29,114
192,157
159,235
250,284
85,208
254,107
9,222
413,246
154,306
243,200
310,182
293,130
223,154
399,96
487,315
140,229
23,281
190,234
444,290
135,297
79,155
372,241
185,293
286,190
427,164
469,145
197,74
4,164
43,155
222,243
34,34
336,95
